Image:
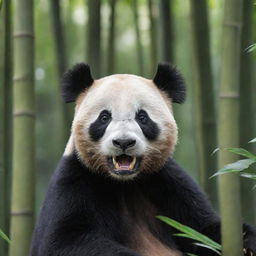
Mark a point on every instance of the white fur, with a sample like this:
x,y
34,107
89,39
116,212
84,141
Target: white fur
x,y
123,96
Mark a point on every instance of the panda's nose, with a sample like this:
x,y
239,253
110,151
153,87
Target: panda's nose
x,y
124,144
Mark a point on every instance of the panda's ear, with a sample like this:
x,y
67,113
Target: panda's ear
x,y
169,79
75,81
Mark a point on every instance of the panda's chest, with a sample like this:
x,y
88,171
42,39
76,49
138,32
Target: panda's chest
x,y
142,230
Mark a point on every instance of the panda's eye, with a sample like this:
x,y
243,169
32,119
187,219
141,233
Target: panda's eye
x,y
105,117
142,117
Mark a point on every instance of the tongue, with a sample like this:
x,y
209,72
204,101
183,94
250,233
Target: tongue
x,y
124,161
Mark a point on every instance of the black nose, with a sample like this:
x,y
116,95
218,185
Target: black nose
x,y
124,144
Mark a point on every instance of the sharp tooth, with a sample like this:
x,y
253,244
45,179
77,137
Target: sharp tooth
x,y
132,163
115,162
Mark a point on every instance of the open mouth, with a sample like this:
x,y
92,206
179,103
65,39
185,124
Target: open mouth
x,y
124,164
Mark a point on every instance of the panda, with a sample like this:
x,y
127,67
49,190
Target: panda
x,y
117,174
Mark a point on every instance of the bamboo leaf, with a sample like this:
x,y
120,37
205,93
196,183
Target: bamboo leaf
x,y
251,48
242,152
189,232
253,140
215,151
199,244
208,247
237,166
248,175
2,234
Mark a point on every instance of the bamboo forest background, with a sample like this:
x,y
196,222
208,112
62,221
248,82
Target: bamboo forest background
x,y
39,40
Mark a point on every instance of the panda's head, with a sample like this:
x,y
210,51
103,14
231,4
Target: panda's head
x,y
123,124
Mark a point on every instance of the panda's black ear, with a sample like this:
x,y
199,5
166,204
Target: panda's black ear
x,y
169,79
75,81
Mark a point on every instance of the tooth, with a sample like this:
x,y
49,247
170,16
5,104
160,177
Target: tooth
x,y
132,163
115,162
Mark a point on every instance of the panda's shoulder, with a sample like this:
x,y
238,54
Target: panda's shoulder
x,y
174,174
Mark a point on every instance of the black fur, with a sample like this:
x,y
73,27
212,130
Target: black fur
x,y
169,79
83,213
98,127
75,81
148,126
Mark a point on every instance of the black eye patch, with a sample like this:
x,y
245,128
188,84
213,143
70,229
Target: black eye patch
x,y
99,126
148,126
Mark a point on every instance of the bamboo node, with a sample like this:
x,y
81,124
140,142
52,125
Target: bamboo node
x,y
24,113
233,24
22,78
22,213
229,95
23,34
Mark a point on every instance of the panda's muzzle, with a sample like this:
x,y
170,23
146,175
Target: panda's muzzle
x,y
124,164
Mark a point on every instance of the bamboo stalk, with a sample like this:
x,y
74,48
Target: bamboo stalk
x,y
111,38
228,133
94,37
2,127
61,58
253,95
153,35
246,106
205,100
167,39
6,125
138,37
22,205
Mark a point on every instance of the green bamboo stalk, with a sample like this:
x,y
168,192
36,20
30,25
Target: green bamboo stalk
x,y
22,205
6,124
228,132
153,35
2,160
253,95
167,39
111,38
8,133
59,38
206,114
61,58
246,106
138,37
94,37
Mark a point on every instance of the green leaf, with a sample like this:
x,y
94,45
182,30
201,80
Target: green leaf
x,y
242,152
190,233
2,234
253,140
208,247
251,48
191,254
237,166
215,151
183,235
248,175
